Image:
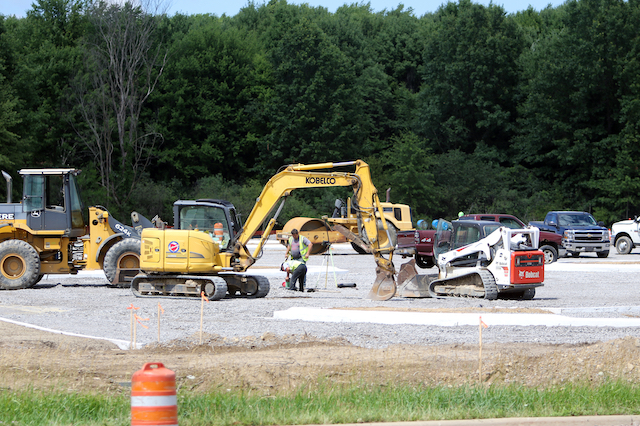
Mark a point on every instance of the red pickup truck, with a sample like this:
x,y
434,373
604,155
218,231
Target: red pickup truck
x,y
419,242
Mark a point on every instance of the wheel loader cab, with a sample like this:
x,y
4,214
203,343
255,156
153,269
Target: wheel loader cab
x,y
51,200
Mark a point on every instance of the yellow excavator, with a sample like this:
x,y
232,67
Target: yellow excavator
x,y
207,252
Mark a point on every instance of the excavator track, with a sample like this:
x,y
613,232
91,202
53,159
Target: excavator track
x,y
179,286
190,286
249,286
478,284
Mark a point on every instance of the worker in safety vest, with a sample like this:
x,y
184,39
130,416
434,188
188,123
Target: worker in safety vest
x,y
298,271
299,248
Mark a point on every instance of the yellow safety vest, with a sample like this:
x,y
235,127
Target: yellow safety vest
x,y
304,249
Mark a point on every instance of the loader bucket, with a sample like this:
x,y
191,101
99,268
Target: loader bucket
x,y
384,288
410,284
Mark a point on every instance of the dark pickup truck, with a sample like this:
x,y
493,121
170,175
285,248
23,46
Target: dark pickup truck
x,y
579,231
419,242
550,243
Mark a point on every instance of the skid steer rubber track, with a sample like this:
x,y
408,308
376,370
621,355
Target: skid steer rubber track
x,y
479,284
179,286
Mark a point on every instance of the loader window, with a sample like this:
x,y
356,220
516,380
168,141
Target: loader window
x,y
33,193
77,220
55,192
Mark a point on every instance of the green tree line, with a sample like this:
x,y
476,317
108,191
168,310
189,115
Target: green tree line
x,y
467,108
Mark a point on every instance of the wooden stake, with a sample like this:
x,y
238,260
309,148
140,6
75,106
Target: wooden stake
x,y
159,309
203,298
482,324
132,326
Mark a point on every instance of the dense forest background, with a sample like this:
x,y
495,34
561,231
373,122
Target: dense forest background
x,y
465,109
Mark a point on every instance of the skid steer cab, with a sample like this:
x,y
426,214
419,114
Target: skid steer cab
x,y
47,233
482,259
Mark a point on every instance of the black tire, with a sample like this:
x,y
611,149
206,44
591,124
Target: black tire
x,y
256,287
19,265
527,294
357,248
37,281
124,253
550,254
215,289
624,245
575,254
424,262
602,254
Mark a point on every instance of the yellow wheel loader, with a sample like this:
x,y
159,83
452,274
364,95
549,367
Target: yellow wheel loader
x,y
185,261
46,233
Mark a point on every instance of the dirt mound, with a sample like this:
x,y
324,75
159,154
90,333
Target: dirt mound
x,y
271,363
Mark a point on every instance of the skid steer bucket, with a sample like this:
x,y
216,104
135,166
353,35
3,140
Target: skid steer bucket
x,y
410,284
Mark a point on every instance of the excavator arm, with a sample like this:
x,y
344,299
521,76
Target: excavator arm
x,y
365,201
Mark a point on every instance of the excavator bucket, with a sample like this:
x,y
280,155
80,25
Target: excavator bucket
x,y
410,283
384,288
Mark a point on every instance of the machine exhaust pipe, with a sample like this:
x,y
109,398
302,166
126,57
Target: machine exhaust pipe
x,y
388,195
7,177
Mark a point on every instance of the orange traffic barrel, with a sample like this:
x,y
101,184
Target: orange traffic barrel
x,y
153,396
217,230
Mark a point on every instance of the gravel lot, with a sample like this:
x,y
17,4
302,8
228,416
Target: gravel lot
x,y
84,304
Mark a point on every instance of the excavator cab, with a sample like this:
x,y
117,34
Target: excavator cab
x,y
217,218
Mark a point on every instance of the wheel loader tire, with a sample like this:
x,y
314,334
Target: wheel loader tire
x,y
550,254
37,280
624,245
424,262
19,265
602,254
357,248
124,254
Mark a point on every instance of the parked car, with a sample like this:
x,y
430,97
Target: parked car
x,y
579,230
550,242
626,235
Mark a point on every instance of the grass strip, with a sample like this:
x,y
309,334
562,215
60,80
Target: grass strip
x,y
343,405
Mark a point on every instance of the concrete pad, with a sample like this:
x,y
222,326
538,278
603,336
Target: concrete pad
x,y
448,319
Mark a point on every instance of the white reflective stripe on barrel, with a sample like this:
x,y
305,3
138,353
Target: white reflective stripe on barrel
x,y
154,401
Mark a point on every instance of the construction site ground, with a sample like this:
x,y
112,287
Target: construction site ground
x,y
282,356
